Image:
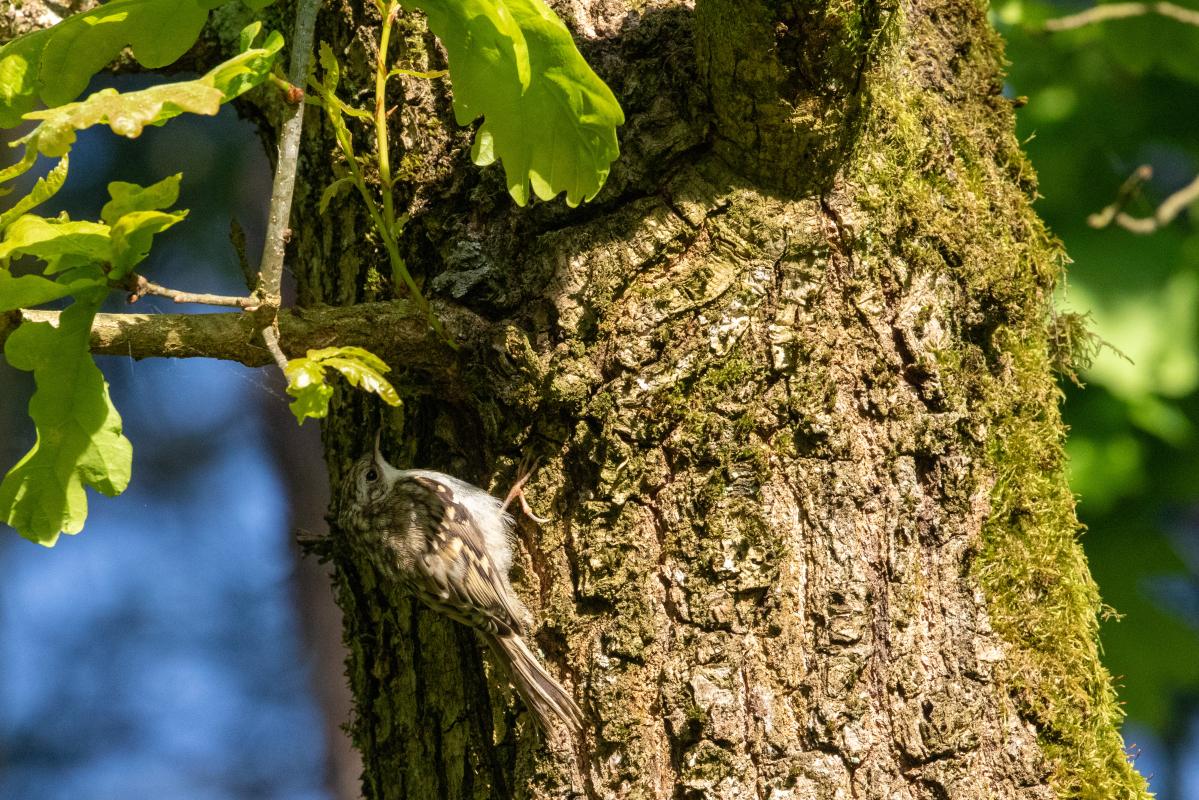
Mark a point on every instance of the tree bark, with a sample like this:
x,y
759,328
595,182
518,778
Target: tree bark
x,y
789,382
789,379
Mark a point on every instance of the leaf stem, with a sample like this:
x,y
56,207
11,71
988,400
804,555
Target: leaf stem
x,y
381,115
389,229
383,216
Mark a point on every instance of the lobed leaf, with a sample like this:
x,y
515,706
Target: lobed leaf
x,y
330,68
327,88
33,290
547,115
79,437
55,64
127,114
129,197
43,190
238,75
19,168
63,243
333,191
306,378
132,235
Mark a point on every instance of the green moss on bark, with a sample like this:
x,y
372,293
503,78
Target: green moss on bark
x,y
967,211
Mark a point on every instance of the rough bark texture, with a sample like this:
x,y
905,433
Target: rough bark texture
x,y
789,381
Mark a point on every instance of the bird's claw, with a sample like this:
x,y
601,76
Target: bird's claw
x,y
517,492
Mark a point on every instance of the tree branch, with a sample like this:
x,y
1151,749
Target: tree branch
x,y
139,287
277,233
1170,208
270,335
398,332
1110,11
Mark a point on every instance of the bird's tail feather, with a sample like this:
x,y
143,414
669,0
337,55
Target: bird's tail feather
x,y
544,696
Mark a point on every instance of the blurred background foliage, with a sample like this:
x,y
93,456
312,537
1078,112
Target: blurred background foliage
x,y
177,648
1103,100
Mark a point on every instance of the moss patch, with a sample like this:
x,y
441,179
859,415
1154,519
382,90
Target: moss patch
x,y
968,214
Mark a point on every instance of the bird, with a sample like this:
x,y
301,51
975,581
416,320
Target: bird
x,y
450,544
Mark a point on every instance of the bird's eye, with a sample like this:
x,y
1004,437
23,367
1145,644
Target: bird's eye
x,y
372,475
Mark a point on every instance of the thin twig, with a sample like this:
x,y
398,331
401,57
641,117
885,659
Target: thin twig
x,y
277,231
1169,208
1128,190
139,287
270,335
1110,11
237,237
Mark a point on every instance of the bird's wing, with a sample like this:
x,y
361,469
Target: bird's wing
x,y
457,568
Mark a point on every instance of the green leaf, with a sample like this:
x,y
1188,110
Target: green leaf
x,y
306,383
250,67
56,64
129,197
129,113
19,168
306,378
18,76
60,243
43,190
327,88
334,190
330,68
64,243
132,236
547,115
312,400
361,368
79,438
413,73
126,114
32,290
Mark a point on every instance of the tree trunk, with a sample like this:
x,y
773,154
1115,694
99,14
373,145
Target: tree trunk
x,y
789,381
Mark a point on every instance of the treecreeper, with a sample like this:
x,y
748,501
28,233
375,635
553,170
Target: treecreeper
x,y
450,544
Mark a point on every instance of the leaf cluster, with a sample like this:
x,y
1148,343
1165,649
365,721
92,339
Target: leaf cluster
x,y
547,117
54,65
79,441
306,378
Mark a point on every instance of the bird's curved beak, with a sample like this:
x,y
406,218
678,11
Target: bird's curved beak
x,y
379,460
